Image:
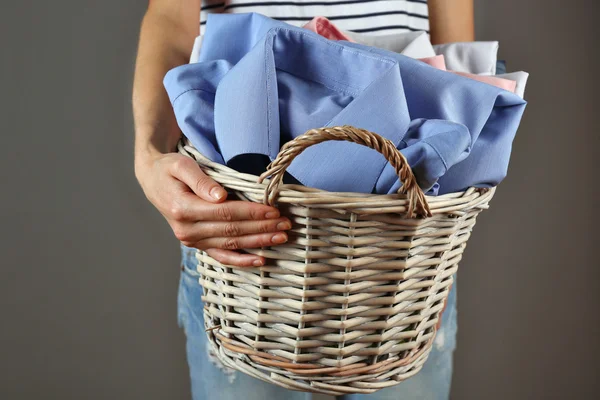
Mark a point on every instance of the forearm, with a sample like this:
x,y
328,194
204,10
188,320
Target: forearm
x,y
164,44
451,21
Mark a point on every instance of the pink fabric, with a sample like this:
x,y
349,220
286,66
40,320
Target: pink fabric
x,y
502,83
439,63
327,29
436,62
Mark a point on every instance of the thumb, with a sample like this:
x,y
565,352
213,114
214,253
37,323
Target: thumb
x,y
188,172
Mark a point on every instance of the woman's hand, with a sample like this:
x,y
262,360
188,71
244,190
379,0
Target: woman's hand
x,y
193,204
195,207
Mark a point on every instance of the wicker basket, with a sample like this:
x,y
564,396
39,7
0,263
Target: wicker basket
x,y
350,303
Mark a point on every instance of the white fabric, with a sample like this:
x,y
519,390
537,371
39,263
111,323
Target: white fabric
x,y
520,77
196,49
473,57
411,44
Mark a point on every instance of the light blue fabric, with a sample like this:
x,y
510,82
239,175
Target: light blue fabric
x,y
210,382
260,82
491,114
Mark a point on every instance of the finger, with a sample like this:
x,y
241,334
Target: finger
x,y
229,257
193,232
188,207
239,211
244,242
186,170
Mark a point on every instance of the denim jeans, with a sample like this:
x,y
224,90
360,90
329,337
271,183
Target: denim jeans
x,y
212,381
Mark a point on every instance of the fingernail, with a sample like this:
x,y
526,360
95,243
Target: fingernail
x,y
284,226
257,263
217,193
279,238
272,214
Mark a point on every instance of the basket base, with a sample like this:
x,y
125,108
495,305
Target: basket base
x,y
368,380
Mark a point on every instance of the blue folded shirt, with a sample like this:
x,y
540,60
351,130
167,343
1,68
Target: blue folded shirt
x,y
260,83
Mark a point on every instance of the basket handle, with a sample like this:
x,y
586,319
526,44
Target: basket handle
x,y
417,204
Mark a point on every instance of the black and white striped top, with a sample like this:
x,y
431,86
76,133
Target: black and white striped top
x,y
378,17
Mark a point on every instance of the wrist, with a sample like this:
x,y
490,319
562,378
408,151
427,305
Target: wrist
x,y
153,142
144,157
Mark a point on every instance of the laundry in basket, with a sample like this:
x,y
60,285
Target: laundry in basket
x,y
345,139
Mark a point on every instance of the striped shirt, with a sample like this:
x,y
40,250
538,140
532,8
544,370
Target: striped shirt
x,y
378,17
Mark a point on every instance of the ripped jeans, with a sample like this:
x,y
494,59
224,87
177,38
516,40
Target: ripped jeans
x,y
212,381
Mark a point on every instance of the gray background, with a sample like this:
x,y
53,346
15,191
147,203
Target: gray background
x,y
89,270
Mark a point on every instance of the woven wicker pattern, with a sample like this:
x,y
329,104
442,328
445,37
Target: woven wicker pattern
x,y
350,303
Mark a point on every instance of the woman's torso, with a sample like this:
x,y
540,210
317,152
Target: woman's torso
x,y
378,17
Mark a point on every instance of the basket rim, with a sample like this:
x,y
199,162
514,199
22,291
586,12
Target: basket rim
x,y
302,195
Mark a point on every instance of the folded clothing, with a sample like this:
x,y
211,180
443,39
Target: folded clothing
x,y
259,83
477,58
472,57
327,29
410,44
520,79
